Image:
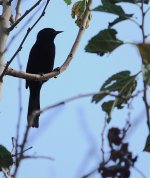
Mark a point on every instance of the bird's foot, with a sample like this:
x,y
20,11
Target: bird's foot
x,y
42,74
57,70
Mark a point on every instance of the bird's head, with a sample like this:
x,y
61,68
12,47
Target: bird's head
x,y
47,34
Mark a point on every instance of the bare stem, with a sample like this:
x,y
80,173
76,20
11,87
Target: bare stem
x,y
24,15
145,84
102,135
18,14
26,134
21,44
20,109
64,66
21,155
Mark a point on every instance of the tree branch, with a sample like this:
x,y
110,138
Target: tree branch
x,y
23,40
145,84
4,21
18,14
35,113
78,38
6,173
28,76
64,66
23,27
38,157
24,15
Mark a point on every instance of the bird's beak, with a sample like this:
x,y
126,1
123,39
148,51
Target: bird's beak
x,y
57,32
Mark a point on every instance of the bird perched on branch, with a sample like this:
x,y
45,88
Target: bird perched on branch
x,y
41,61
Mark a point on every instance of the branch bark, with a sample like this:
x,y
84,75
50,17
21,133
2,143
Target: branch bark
x,y
22,42
36,77
24,15
4,21
18,14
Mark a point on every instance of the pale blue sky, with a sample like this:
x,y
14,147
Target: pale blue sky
x,y
71,134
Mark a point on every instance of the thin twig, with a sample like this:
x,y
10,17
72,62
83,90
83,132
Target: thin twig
x,y
38,157
80,96
23,27
24,15
90,173
24,141
20,108
14,155
125,129
145,84
106,93
64,66
12,21
147,10
6,172
79,36
143,20
139,171
21,44
19,159
77,97
134,21
18,14
13,144
102,135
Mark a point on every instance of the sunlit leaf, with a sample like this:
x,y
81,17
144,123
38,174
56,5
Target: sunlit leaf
x,y
147,145
130,1
105,41
146,74
144,49
5,158
78,11
123,84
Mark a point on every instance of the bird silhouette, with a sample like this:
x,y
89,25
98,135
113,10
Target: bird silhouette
x,y
41,61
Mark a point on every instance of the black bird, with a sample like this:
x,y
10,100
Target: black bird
x,y
41,61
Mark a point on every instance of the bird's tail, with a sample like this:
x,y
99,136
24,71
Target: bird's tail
x,y
34,105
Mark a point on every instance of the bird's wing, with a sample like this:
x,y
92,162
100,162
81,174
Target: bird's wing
x,y
31,61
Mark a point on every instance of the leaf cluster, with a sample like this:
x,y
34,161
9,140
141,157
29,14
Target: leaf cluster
x,y
78,11
123,85
121,159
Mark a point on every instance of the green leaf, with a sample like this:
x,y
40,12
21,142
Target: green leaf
x,y
123,84
144,50
109,7
5,158
117,20
68,2
147,145
129,1
146,74
106,107
105,41
78,11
